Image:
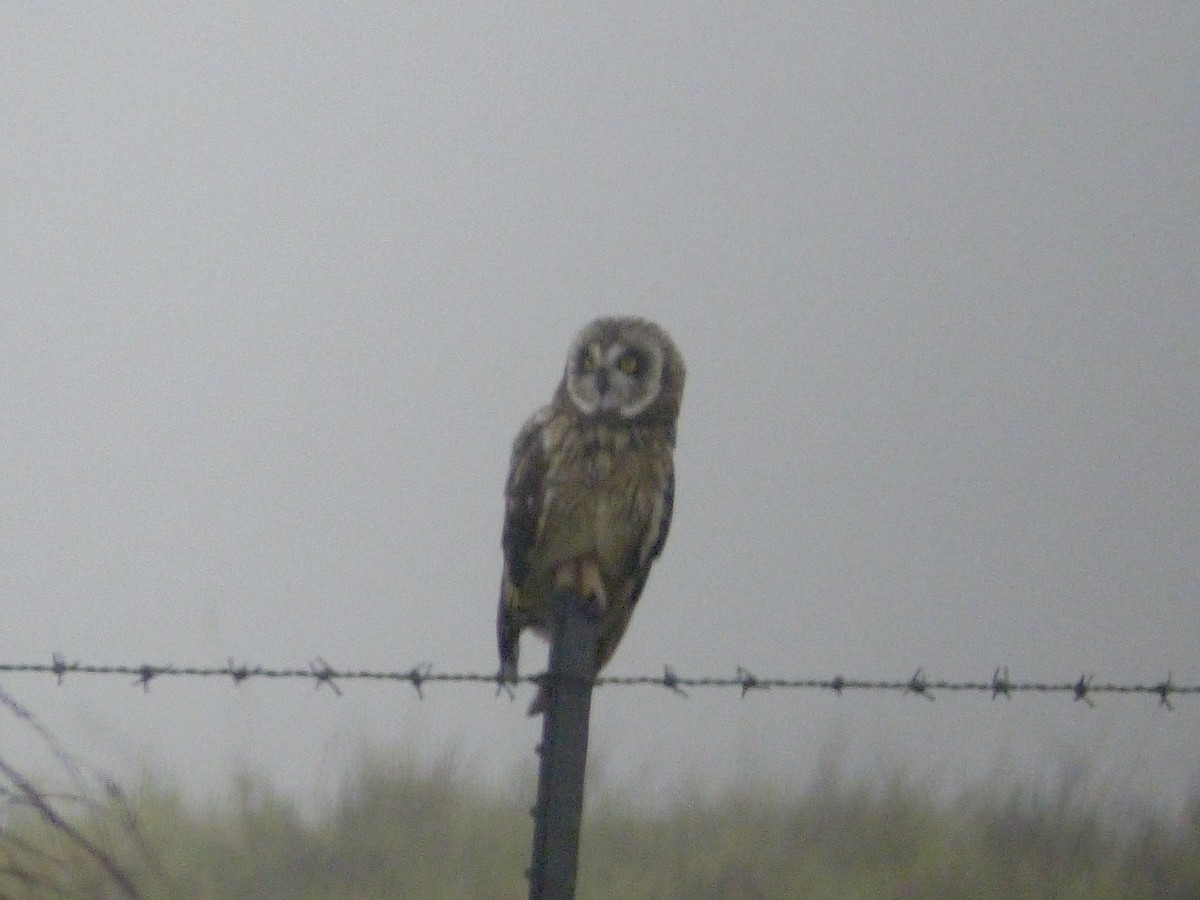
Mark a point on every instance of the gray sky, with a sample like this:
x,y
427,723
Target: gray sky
x,y
281,285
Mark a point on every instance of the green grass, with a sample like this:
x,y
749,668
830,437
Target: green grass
x,y
399,829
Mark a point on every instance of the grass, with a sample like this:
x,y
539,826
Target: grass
x,y
399,829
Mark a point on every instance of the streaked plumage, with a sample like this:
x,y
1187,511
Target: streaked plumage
x,y
591,484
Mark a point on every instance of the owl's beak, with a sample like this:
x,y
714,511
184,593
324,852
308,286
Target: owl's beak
x,y
608,399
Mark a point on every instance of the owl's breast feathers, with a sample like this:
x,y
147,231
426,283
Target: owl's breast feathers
x,y
597,492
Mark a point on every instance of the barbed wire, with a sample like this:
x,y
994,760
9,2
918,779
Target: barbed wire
x,y
1083,689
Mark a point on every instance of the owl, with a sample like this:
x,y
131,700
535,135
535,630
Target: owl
x,y
591,486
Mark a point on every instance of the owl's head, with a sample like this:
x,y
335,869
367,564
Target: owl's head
x,y
624,368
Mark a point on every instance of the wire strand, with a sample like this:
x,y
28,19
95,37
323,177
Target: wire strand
x,y
321,673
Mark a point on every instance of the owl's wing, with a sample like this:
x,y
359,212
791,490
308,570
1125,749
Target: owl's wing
x,y
523,497
656,534
522,516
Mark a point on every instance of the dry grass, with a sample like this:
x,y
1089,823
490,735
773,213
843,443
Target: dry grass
x,y
402,830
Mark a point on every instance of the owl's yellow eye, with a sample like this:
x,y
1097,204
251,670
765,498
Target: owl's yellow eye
x,y
629,363
586,362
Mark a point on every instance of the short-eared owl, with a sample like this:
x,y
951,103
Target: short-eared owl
x,y
591,484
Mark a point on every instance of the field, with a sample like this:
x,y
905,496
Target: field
x,y
402,830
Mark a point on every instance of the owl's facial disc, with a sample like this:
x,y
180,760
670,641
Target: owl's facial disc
x,y
615,379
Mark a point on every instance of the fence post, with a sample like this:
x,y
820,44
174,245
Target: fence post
x,y
563,750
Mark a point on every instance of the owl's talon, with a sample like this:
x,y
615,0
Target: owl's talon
x,y
506,678
504,686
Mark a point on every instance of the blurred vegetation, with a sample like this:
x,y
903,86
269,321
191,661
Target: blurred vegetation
x,y
399,829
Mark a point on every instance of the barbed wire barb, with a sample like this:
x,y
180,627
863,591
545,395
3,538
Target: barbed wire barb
x,y
242,672
145,673
919,685
1082,688
59,666
671,682
324,674
1001,685
1164,692
417,675
749,682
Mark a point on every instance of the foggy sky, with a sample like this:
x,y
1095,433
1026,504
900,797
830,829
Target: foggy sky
x,y
280,287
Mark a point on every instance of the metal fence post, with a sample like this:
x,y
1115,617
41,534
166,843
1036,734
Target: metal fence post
x,y
559,809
